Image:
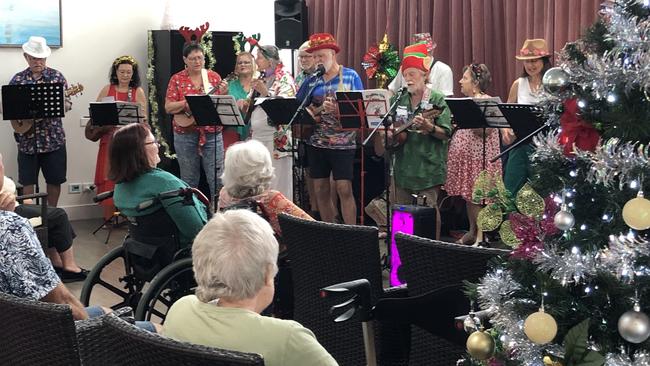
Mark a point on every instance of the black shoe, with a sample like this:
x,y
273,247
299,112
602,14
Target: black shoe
x,y
69,276
58,270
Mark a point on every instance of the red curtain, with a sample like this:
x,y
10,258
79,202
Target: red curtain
x,y
483,31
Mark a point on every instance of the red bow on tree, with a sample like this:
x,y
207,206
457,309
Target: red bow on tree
x,y
575,131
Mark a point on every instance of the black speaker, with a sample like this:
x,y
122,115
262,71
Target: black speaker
x,y
290,23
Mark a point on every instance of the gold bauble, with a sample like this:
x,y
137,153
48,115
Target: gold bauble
x,y
529,202
480,345
636,213
507,235
540,327
489,218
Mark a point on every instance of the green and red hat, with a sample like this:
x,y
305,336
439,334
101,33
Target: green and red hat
x,y
416,56
320,41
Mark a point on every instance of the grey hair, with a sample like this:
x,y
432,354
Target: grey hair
x,y
248,170
233,255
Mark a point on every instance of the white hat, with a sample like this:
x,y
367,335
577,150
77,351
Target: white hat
x,y
37,47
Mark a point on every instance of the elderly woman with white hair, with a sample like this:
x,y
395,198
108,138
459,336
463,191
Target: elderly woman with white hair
x,y
275,83
234,259
247,176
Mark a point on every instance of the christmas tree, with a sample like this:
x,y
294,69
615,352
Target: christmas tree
x,y
575,289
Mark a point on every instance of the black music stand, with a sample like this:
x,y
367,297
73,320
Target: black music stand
x,y
114,113
214,110
281,111
471,113
32,101
525,120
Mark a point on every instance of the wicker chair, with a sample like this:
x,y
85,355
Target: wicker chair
x,y
36,333
322,254
429,265
110,340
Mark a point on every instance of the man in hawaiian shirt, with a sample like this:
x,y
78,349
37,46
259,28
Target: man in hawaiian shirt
x,y
331,149
43,146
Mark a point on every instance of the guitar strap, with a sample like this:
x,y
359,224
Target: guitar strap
x,y
206,82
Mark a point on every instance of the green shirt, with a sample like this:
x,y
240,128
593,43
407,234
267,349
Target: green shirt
x,y
421,162
237,91
280,342
188,218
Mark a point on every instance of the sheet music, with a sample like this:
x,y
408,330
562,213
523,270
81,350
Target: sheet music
x,y
493,114
127,112
227,109
377,102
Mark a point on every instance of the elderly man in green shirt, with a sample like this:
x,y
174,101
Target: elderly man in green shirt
x,y
421,160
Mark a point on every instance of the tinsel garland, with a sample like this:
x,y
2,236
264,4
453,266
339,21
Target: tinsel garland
x,y
153,99
641,358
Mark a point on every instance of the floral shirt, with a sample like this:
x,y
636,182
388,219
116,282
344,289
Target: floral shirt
x,y
181,85
47,133
25,272
328,133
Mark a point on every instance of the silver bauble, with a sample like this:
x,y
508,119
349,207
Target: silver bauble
x,y
469,324
564,219
555,80
634,326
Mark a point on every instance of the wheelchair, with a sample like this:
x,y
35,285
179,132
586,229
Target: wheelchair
x,y
157,272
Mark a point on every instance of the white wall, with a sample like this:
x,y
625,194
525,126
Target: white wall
x,y
94,34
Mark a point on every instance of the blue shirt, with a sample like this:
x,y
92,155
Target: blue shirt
x,y
25,272
47,133
328,133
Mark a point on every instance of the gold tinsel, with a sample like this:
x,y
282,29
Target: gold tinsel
x,y
529,202
507,235
489,218
384,45
482,185
549,362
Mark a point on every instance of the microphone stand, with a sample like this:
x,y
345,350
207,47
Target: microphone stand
x,y
301,109
386,123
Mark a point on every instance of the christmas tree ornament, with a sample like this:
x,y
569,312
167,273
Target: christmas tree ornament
x,y
540,327
469,324
634,325
555,80
529,202
564,219
480,345
381,62
636,212
508,236
489,218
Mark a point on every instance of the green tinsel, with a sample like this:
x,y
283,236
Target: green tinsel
x,y
389,63
153,99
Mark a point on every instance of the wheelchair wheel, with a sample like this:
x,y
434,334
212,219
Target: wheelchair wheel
x,y
97,281
170,284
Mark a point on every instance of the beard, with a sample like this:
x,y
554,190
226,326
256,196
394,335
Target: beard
x,y
327,65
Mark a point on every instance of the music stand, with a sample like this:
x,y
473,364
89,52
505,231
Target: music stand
x,y
114,113
524,119
471,113
214,110
33,101
281,111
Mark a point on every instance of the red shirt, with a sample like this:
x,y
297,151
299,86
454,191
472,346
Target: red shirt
x,y
181,85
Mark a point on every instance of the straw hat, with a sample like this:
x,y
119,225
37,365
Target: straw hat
x,y
533,49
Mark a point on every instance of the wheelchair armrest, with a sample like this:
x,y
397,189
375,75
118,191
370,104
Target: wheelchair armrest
x,y
31,196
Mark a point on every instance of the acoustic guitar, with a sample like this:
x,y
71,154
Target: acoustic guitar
x,y
401,134
22,126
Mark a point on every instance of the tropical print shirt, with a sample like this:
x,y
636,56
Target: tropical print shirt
x,y
328,133
47,135
25,272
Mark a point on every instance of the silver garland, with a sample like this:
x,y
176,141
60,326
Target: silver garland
x,y
495,295
566,266
641,358
547,147
620,257
627,64
616,161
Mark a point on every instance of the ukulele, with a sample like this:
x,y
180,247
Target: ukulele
x,y
22,126
400,135
185,119
251,101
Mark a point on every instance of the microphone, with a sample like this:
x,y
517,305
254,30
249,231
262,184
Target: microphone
x,y
320,71
401,91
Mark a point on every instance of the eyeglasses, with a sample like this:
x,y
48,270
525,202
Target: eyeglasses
x,y
244,63
306,56
152,143
196,59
